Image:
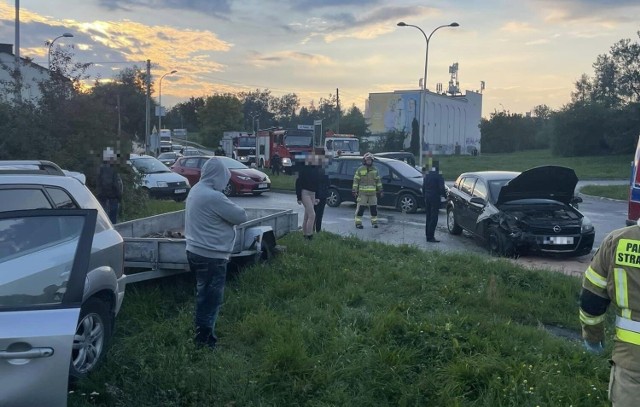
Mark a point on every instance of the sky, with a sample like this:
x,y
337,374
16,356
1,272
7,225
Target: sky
x,y
528,52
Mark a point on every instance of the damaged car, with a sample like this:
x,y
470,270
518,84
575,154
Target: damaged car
x,y
516,214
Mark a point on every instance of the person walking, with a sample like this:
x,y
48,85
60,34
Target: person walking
x,y
210,220
306,188
366,188
276,163
109,185
614,276
322,193
432,189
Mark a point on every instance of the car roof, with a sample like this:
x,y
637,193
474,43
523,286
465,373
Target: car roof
x,y
359,157
40,167
491,175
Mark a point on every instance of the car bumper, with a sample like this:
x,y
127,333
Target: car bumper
x,y
252,188
169,192
581,245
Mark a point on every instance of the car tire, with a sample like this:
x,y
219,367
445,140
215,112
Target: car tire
x,y
95,326
498,243
452,224
407,203
229,190
333,198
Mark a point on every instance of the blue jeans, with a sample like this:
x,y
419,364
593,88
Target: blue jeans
x,y
111,206
211,275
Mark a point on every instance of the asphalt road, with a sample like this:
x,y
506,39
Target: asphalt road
x,y
398,228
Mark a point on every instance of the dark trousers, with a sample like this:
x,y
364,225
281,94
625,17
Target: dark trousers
x,y
111,207
431,208
319,208
211,275
275,169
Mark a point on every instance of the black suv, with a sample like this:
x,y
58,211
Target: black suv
x,y
402,184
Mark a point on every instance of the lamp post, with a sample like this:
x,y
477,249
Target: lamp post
x,y
160,100
65,35
423,113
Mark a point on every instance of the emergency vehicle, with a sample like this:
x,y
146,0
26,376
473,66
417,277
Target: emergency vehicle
x,y
341,144
634,189
240,146
290,144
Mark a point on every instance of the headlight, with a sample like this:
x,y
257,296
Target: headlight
x,y
161,184
586,226
286,162
267,179
242,177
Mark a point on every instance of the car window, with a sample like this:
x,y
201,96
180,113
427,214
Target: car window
x,y
190,163
61,199
149,165
495,187
467,185
480,190
349,167
24,198
383,170
333,167
404,169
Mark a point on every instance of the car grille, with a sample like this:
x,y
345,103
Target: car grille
x,y
569,230
176,184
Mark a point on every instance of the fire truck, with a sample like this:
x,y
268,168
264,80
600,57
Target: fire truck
x,y
634,189
240,146
341,144
290,144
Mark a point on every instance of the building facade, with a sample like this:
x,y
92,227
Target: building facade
x,y
31,76
452,121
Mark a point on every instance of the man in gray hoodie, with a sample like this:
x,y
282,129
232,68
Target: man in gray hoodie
x,y
210,219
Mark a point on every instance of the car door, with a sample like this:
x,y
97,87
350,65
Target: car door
x,y
474,209
391,184
464,214
345,180
44,258
190,169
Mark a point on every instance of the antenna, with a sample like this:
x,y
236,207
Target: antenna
x,y
439,87
453,82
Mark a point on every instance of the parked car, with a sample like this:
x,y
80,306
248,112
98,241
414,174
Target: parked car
x,y
34,247
188,152
405,156
158,180
518,213
244,180
401,183
169,158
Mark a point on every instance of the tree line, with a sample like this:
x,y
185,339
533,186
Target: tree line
x,y
602,118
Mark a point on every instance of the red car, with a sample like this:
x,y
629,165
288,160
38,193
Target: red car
x,y
244,180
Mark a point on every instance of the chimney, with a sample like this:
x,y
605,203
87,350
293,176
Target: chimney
x,y
6,48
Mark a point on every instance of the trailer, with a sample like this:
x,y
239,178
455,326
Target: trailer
x,y
155,246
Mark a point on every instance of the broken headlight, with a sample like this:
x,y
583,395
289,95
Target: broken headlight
x,y
586,226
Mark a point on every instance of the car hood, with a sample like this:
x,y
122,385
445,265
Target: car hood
x,y
250,172
169,176
546,182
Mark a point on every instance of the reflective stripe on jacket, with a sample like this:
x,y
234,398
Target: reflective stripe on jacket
x,y
366,180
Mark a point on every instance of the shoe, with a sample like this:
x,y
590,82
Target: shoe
x,y
433,240
375,226
204,338
359,226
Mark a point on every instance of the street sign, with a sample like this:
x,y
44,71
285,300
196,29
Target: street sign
x,y
317,122
305,127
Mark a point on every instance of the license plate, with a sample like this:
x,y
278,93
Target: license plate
x,y
262,186
558,240
179,191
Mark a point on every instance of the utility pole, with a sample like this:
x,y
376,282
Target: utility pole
x,y
338,104
147,124
18,75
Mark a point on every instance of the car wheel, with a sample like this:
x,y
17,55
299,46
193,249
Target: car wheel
x,y
229,190
452,225
498,243
91,338
407,203
333,198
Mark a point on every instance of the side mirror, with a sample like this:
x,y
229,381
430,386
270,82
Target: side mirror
x,y
477,201
576,200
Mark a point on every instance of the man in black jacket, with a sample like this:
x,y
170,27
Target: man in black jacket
x,y
432,190
109,185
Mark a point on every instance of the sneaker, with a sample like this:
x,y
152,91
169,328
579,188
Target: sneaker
x,y
359,226
433,240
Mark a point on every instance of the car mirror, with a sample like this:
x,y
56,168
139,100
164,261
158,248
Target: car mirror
x,y
477,201
576,200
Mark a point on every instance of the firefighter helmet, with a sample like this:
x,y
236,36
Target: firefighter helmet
x,y
367,155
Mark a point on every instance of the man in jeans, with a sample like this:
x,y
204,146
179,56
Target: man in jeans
x,y
210,220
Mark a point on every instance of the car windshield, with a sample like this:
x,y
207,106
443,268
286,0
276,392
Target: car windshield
x,y
246,141
232,164
494,188
149,165
297,141
346,145
167,155
404,169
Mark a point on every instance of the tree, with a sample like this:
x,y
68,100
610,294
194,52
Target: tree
x,y
284,109
353,122
220,113
255,106
185,114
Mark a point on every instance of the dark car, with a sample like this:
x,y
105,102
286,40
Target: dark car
x,y
401,183
517,213
244,180
399,155
169,158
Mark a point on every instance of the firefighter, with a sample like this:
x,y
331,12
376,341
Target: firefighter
x,y
366,187
614,275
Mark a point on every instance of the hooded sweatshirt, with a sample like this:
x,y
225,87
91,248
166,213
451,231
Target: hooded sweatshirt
x,y
210,217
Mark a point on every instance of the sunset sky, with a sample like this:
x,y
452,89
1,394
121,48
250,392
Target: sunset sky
x,y
529,52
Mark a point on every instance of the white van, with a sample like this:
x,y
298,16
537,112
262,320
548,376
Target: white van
x,y
159,181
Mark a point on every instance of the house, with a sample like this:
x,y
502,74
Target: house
x,y
32,75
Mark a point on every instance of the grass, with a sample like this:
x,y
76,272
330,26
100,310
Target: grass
x,y
620,192
150,207
343,322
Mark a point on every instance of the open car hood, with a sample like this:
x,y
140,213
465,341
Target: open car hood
x,y
546,182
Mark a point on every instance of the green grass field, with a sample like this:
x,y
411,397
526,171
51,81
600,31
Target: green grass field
x,y
342,322
620,192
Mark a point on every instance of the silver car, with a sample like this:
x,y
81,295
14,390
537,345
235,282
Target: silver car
x,y
37,186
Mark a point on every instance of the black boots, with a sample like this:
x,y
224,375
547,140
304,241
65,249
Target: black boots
x,y
204,337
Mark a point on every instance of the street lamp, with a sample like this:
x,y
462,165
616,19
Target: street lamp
x,y
160,99
65,35
423,114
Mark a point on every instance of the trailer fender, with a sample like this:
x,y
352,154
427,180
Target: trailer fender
x,y
260,239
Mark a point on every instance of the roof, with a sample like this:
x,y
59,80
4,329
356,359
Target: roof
x,y
492,175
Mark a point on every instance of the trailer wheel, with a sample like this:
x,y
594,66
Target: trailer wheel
x,y
268,247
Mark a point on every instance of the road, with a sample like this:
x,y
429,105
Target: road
x,y
398,228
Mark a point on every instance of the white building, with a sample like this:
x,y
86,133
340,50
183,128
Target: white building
x,y
32,74
452,121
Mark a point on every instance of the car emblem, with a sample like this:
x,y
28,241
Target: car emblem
x,y
557,228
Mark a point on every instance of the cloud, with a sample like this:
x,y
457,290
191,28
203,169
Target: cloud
x,y
306,5
260,60
516,27
216,8
602,12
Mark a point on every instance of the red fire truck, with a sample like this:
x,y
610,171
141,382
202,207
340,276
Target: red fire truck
x,y
634,189
290,144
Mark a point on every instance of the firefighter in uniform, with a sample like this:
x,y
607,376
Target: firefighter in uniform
x,y
614,275
366,187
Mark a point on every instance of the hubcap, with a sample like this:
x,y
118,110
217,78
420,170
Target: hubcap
x,y
88,343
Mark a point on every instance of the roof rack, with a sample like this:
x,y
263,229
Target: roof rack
x,y
30,167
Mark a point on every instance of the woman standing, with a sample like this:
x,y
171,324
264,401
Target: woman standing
x,y
306,188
